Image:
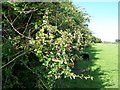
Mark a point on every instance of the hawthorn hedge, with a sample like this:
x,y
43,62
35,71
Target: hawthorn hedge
x,y
41,42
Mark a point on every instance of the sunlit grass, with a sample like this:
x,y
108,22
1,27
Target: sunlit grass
x,y
103,66
108,61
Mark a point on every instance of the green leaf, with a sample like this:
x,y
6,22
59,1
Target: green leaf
x,y
36,26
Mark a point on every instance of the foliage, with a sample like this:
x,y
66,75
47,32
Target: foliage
x,y
117,40
41,42
96,40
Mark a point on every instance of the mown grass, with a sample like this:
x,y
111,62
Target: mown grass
x,y
108,61
103,66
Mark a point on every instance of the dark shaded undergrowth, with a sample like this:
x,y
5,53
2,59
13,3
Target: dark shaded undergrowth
x,y
86,67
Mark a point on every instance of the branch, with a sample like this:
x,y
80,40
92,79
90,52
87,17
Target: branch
x,y
18,15
16,29
27,23
17,53
12,60
30,11
15,19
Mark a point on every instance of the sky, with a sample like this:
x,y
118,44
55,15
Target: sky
x,y
104,18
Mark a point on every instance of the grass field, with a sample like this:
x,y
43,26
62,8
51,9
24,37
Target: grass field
x,y
103,66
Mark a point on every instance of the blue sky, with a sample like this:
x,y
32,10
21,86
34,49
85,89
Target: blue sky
x,y
104,18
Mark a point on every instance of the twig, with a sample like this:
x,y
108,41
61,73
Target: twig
x,y
27,23
29,33
15,19
12,60
17,53
30,11
18,15
28,67
9,14
16,29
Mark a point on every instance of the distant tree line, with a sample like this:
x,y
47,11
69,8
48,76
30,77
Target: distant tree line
x,y
117,40
96,40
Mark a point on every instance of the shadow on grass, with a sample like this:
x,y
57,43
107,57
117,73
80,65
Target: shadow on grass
x,y
90,68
